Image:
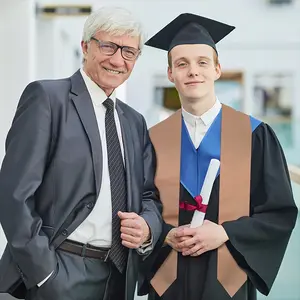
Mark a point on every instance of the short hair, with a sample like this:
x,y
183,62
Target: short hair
x,y
216,59
115,21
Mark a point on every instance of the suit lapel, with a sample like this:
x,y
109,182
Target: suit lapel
x,y
128,151
83,103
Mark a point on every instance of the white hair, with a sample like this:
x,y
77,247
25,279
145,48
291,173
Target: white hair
x,y
115,21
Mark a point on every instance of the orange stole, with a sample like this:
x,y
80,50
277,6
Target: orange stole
x,y
236,138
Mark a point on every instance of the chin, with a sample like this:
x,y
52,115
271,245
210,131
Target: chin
x,y
195,93
115,80
112,83
195,96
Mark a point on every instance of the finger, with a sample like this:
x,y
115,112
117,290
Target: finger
x,y
192,250
129,245
185,249
185,226
130,238
130,223
188,243
183,238
207,222
199,252
127,215
184,232
132,231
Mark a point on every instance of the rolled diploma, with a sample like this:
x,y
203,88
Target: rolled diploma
x,y
210,177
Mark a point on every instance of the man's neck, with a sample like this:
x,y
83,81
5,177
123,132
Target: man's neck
x,y
198,107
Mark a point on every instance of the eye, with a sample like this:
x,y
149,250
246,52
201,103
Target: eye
x,y
107,47
202,62
129,52
182,64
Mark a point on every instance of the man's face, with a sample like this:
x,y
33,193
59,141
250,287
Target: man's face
x,y
108,71
194,71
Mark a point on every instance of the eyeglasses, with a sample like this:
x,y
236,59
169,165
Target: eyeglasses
x,y
109,48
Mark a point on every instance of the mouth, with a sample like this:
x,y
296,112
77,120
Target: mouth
x,y
112,71
193,83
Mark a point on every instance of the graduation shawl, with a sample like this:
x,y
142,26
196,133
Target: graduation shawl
x,y
235,157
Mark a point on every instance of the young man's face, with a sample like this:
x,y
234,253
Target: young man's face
x,y
193,70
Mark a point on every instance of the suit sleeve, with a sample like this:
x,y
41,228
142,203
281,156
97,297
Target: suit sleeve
x,y
22,171
152,263
151,205
258,242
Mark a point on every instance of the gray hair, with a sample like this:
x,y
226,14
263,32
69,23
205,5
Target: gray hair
x,y
115,21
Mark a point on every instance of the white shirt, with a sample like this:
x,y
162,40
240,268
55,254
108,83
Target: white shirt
x,y
96,229
198,125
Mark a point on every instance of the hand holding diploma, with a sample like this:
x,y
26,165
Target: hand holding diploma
x,y
206,235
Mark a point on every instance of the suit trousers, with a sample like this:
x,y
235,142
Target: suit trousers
x,y
81,278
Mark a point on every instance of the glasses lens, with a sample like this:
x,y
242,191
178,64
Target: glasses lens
x,y
129,53
108,48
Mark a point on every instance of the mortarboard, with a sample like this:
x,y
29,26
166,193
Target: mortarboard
x,y
190,29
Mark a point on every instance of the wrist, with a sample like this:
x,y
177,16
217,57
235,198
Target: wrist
x,y
167,239
147,234
224,233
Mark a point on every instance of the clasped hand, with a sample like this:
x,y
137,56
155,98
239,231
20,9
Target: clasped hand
x,y
134,230
196,241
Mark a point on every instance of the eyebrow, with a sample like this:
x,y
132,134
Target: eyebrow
x,y
179,59
129,47
185,59
204,57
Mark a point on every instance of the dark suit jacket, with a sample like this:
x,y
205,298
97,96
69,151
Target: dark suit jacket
x,y
51,175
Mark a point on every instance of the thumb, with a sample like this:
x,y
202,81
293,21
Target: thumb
x,y
127,215
206,222
186,225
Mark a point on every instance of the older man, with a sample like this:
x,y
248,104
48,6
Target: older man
x,y
77,192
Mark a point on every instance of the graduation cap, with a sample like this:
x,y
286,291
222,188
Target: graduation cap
x,y
190,29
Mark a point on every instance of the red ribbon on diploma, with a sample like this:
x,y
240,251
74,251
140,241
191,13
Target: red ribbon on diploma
x,y
190,207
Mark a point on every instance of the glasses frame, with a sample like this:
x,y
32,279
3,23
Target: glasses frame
x,y
100,43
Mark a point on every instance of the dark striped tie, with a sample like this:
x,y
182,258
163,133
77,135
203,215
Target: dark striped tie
x,y
118,253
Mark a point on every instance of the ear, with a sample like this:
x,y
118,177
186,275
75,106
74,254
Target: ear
x,y
218,72
170,75
84,47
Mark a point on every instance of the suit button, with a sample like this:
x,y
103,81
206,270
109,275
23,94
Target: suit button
x,y
90,205
64,232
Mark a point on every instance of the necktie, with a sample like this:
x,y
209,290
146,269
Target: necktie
x,y
118,253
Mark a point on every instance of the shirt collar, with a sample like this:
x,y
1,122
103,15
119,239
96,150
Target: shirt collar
x,y
98,96
207,118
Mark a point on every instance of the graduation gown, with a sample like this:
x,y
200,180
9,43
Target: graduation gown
x,y
257,243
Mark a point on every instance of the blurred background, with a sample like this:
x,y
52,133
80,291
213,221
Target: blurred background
x,y
260,62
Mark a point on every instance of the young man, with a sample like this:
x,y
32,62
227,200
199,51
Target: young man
x,y
251,212
78,204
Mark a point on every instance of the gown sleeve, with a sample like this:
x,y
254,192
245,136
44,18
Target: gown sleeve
x,y
258,242
151,264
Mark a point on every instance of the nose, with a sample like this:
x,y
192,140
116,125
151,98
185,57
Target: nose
x,y
117,60
193,70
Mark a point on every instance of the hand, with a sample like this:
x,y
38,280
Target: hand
x,y
204,238
134,230
175,242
